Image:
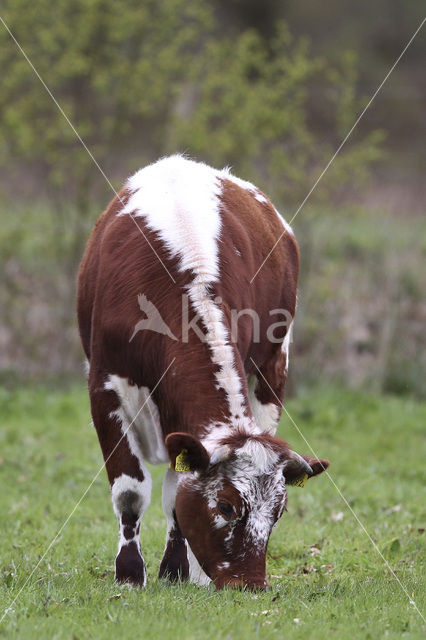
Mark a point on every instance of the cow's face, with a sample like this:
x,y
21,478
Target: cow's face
x,y
226,508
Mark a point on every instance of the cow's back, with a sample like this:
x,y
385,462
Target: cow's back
x,y
259,262
180,226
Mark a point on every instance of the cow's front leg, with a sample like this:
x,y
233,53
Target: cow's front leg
x,y
174,565
130,499
129,478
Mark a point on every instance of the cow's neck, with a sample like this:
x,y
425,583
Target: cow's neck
x,y
199,395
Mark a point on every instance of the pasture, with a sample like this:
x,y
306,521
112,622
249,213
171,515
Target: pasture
x,y
327,579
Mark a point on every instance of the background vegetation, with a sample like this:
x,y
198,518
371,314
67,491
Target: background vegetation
x,y
269,88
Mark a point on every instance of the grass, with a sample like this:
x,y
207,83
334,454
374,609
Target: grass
x,y
327,579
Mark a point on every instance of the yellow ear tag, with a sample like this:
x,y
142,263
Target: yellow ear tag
x,y
300,482
182,463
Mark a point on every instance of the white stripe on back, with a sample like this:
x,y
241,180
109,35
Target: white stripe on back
x,y
179,199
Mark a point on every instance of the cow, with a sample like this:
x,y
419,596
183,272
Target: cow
x,y
175,383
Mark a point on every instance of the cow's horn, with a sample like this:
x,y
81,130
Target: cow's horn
x,y
304,466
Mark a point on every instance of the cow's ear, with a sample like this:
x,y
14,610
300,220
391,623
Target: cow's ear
x,y
186,452
297,469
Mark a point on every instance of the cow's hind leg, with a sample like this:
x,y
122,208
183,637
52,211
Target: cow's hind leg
x,y
129,478
174,565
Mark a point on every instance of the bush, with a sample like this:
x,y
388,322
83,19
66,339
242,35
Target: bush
x,y
141,79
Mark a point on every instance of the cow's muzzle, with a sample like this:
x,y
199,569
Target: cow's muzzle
x,y
254,584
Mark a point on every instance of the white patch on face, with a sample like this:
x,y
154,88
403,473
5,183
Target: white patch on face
x,y
261,458
262,489
223,565
266,415
219,431
179,199
219,522
281,506
254,460
145,436
259,527
230,534
212,489
196,574
256,475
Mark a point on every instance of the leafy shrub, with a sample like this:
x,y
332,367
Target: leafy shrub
x,y
141,79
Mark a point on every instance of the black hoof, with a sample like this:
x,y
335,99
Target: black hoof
x,y
174,568
129,566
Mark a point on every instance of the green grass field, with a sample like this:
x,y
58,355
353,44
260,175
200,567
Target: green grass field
x,y
328,581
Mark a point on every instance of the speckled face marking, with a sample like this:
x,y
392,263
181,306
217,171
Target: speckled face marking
x,y
227,510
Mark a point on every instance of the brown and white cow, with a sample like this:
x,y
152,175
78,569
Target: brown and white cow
x,y
211,400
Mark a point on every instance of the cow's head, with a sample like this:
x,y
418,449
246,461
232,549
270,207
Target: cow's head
x,y
228,502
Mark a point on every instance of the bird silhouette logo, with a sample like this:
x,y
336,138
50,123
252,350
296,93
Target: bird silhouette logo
x,y
153,320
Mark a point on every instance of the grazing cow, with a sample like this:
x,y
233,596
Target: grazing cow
x,y
166,273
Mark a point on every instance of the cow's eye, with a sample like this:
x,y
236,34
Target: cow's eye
x,y
226,509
